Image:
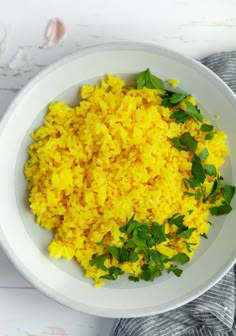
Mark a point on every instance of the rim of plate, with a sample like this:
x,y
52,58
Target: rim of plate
x,y
36,282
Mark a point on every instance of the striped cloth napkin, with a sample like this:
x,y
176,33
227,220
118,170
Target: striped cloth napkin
x,y
213,313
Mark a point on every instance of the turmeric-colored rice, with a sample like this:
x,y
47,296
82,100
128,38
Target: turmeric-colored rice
x,y
91,167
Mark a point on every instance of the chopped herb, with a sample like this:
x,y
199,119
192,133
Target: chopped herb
x,y
166,103
209,135
188,246
146,78
188,193
193,112
139,242
204,154
206,128
198,195
177,220
228,192
180,116
204,235
197,170
186,233
190,211
177,271
133,278
114,272
210,169
150,272
108,277
122,239
158,232
223,209
186,142
99,261
214,191
177,98
181,258
133,257
124,255
114,251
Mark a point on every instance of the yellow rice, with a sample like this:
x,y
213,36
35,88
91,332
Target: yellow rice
x,y
91,167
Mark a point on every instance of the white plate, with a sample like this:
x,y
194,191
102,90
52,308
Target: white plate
x,y
25,242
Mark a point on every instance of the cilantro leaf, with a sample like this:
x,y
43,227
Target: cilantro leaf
x,y
181,258
188,193
176,219
210,169
186,142
214,191
108,277
193,112
133,278
177,144
158,232
133,257
180,116
99,261
114,251
186,233
124,255
188,246
114,272
228,192
197,169
206,128
209,135
177,98
173,268
204,154
139,242
191,182
223,209
166,103
146,78
198,195
150,272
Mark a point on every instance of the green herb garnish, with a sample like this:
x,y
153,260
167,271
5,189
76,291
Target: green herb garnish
x,y
113,274
177,271
133,278
197,170
99,261
210,169
206,128
204,154
186,142
181,258
193,112
146,78
180,116
177,98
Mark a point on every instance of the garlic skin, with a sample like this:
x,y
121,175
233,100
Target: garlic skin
x,y
55,33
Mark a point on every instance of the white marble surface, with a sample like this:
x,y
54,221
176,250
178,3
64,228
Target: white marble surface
x,y
195,28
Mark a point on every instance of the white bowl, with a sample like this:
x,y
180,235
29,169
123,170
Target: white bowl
x,y
25,242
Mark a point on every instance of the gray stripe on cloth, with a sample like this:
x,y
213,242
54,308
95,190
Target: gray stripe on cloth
x,y
213,313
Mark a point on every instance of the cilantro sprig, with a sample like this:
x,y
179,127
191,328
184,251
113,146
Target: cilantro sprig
x,y
186,142
147,79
